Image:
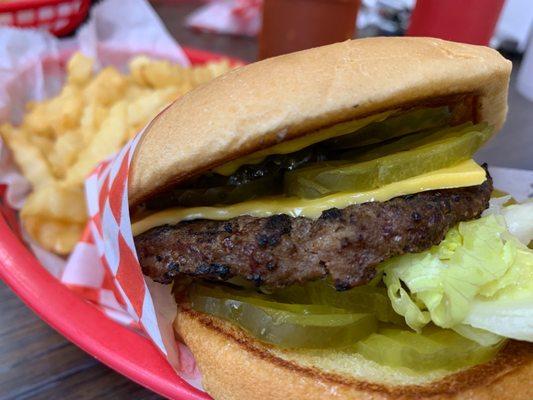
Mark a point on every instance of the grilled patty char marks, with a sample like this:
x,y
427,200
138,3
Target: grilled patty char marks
x,y
280,250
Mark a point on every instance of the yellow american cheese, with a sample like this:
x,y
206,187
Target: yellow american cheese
x,y
467,173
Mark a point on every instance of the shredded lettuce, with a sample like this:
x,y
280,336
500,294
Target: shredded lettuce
x,y
509,318
481,336
519,221
477,281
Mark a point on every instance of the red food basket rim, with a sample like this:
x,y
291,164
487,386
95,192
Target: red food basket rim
x,y
26,14
111,343
17,5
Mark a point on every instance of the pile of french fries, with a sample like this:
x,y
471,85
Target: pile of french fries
x,y
62,139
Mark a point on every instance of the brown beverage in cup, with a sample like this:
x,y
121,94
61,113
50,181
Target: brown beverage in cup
x,y
292,25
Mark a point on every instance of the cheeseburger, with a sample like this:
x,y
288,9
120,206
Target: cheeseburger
x,y
328,233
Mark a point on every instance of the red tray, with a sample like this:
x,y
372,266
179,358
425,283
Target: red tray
x,y
116,346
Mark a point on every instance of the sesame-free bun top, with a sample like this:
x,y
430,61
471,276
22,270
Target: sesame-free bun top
x,y
260,104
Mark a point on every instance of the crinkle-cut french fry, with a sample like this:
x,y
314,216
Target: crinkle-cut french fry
x,y
28,157
91,119
107,87
144,107
111,136
55,216
79,69
65,152
59,237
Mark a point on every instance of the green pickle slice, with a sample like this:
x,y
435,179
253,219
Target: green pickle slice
x,y
362,299
415,140
407,122
285,325
359,320
401,159
432,349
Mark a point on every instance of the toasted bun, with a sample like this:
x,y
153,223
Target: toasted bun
x,y
260,104
234,366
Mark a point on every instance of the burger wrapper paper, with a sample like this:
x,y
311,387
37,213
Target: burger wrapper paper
x,y
104,268
150,305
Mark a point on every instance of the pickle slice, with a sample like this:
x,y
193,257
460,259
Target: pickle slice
x,y
262,300
331,322
433,349
404,159
362,299
285,325
415,140
407,122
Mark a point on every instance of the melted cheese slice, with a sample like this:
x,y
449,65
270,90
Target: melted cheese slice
x,y
292,146
467,173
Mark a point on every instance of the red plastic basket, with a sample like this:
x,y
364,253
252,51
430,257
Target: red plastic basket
x,y
60,17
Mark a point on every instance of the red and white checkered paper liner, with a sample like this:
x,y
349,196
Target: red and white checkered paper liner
x,y
100,281
113,281
103,268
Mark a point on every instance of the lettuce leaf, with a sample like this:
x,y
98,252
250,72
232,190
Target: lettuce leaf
x,y
477,281
481,336
509,318
518,219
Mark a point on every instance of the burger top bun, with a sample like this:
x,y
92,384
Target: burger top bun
x,y
261,104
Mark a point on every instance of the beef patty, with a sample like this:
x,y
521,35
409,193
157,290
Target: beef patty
x,y
281,250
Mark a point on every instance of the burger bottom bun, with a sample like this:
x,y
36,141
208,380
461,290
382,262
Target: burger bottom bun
x,y
235,366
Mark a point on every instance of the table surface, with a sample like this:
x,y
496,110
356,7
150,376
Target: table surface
x,y
38,363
